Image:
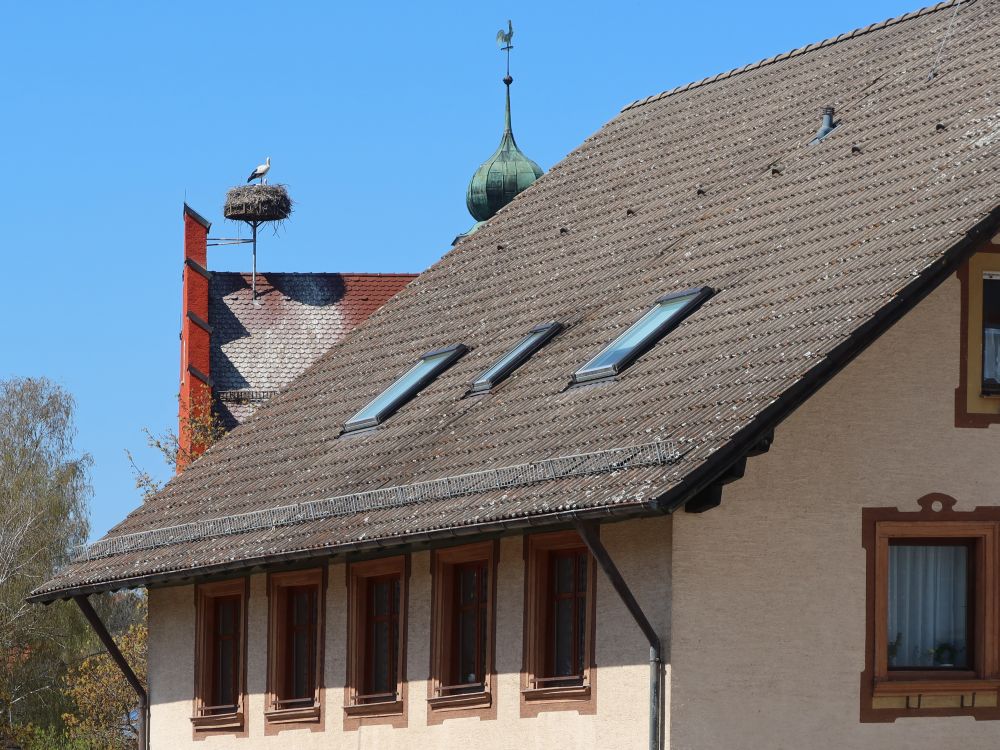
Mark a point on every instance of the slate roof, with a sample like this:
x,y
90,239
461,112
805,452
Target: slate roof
x,y
260,347
811,260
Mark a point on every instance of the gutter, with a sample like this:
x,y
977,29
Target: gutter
x,y
119,659
588,532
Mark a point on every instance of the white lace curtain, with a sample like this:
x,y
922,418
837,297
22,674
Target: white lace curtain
x,y
928,606
991,354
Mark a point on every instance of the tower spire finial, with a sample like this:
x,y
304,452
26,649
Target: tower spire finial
x,y
505,174
506,45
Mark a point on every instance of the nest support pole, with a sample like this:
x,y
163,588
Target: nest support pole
x,y
588,532
253,275
119,659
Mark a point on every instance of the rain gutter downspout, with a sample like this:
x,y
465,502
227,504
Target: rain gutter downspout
x,y
116,655
588,532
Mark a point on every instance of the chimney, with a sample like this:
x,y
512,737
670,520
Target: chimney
x,y
195,398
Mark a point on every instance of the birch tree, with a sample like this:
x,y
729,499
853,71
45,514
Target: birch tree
x,y
44,490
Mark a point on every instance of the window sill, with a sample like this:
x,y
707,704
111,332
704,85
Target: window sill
x,y
934,686
292,715
218,721
385,708
962,695
572,693
461,700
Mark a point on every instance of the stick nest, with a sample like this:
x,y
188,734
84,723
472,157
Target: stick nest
x,y
258,203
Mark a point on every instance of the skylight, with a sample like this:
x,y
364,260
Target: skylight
x,y
409,385
670,310
516,357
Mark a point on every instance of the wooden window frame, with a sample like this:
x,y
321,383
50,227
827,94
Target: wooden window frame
x,y
888,694
205,594
444,563
973,407
358,576
580,697
278,585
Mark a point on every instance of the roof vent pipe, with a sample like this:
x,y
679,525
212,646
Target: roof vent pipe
x,y
826,127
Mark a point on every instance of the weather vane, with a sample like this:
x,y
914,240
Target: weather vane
x,y
503,39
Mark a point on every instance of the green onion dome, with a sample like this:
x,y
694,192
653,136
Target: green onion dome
x,y
502,176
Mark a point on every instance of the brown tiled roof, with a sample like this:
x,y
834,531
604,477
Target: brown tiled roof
x,y
810,260
260,346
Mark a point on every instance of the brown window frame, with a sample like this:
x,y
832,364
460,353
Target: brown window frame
x,y
205,716
974,405
537,685
279,710
888,694
445,691
358,701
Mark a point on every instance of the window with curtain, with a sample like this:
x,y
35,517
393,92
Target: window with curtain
x,y
991,333
929,601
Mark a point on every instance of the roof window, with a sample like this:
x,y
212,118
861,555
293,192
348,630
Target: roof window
x,y
537,337
409,385
670,310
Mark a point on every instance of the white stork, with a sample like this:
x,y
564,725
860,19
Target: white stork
x,y
260,172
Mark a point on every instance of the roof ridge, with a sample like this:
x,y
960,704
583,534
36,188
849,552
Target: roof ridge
x,y
315,273
798,51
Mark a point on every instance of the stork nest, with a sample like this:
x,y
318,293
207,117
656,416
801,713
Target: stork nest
x,y
257,203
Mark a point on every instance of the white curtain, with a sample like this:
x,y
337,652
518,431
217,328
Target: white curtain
x,y
928,603
991,354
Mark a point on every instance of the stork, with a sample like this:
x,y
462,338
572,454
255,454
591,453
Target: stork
x,y
260,172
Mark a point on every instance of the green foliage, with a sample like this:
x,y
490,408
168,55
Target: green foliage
x,y
104,713
59,690
48,738
44,490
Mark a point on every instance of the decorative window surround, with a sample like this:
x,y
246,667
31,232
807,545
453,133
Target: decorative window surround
x,y
973,406
887,693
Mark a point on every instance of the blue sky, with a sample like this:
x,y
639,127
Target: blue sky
x,y
375,115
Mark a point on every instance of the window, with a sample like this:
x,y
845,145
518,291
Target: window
x,y
220,655
991,333
388,401
929,593
377,637
537,337
295,660
931,611
669,311
560,610
977,398
463,627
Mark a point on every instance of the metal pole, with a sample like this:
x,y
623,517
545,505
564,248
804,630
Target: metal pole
x,y
118,658
588,532
254,275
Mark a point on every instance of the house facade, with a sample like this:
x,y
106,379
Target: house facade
x,y
691,445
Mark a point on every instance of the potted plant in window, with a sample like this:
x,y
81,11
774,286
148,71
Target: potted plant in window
x,y
944,654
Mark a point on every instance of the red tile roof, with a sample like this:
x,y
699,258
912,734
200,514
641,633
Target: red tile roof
x,y
259,346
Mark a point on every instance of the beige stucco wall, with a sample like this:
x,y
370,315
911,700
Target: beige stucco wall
x,y
640,548
769,588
